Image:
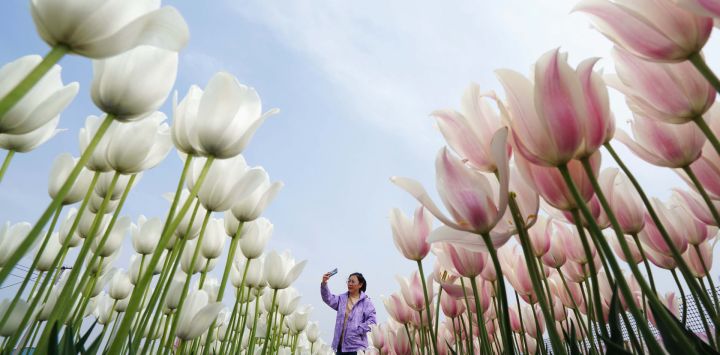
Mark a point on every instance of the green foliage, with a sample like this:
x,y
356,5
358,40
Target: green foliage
x,y
671,342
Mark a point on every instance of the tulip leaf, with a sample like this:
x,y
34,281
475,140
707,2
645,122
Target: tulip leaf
x,y
67,343
672,344
53,341
572,339
81,343
613,320
453,352
94,347
131,351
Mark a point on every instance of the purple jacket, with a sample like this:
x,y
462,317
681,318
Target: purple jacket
x,y
362,315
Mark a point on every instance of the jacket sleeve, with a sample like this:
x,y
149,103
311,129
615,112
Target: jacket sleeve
x,y
327,296
369,317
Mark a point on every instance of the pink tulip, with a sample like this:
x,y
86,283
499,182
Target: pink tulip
x,y
694,203
673,218
527,199
470,131
699,262
451,306
635,256
574,248
531,328
400,342
663,144
467,263
600,124
515,324
624,200
559,310
540,236
696,231
412,291
667,92
549,183
571,325
657,258
547,117
398,309
555,257
476,202
489,273
570,299
599,216
441,274
410,236
516,272
655,30
707,168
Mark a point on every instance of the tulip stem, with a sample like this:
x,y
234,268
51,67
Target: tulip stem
x,y
709,278
28,242
645,261
709,134
596,300
682,295
703,319
6,163
701,189
697,60
484,340
467,306
682,265
144,280
437,312
271,316
523,340
26,84
504,319
535,275
607,251
428,308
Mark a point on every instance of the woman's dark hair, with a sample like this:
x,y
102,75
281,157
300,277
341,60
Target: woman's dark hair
x,y
361,280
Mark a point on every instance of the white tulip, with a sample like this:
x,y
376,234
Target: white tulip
x,y
65,227
186,229
184,135
249,207
211,286
99,29
96,201
255,275
23,143
287,300
197,315
156,333
313,331
254,237
214,239
172,300
201,263
280,270
299,319
220,121
59,172
120,285
134,270
132,85
48,255
226,180
98,160
103,185
103,309
139,146
43,102
16,315
10,239
114,239
146,234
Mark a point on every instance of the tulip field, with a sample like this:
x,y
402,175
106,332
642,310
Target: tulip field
x,y
543,240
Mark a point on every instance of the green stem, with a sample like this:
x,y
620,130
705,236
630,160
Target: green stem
x,y
484,340
410,338
605,248
523,340
596,300
676,255
709,278
699,63
427,306
703,319
645,262
703,193
6,163
503,317
682,295
27,83
437,312
534,275
143,282
270,317
232,324
709,134
29,241
468,332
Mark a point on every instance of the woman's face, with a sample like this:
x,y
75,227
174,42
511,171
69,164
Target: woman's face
x,y
353,284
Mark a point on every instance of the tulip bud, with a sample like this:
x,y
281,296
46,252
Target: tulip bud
x,y
146,235
280,270
250,206
12,325
254,237
197,315
214,239
138,146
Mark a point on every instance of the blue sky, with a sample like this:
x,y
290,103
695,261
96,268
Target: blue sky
x,y
355,83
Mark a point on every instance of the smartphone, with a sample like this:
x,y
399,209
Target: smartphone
x,y
333,272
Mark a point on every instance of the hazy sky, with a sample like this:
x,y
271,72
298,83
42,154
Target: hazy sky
x,y
355,83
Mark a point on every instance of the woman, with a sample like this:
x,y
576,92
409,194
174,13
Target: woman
x,y
355,314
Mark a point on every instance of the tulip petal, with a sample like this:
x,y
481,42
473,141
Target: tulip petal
x,y
203,319
164,28
415,189
470,241
295,272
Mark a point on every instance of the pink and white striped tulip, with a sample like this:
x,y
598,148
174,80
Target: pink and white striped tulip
x,y
674,219
540,238
546,117
451,306
663,144
696,231
516,272
555,257
694,203
398,309
624,200
549,183
410,236
700,263
412,291
468,194
709,8
635,256
467,263
656,30
667,92
470,131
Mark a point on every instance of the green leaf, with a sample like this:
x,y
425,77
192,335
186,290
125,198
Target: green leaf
x,y
572,340
670,340
67,344
81,343
613,319
94,347
53,341
131,351
453,352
